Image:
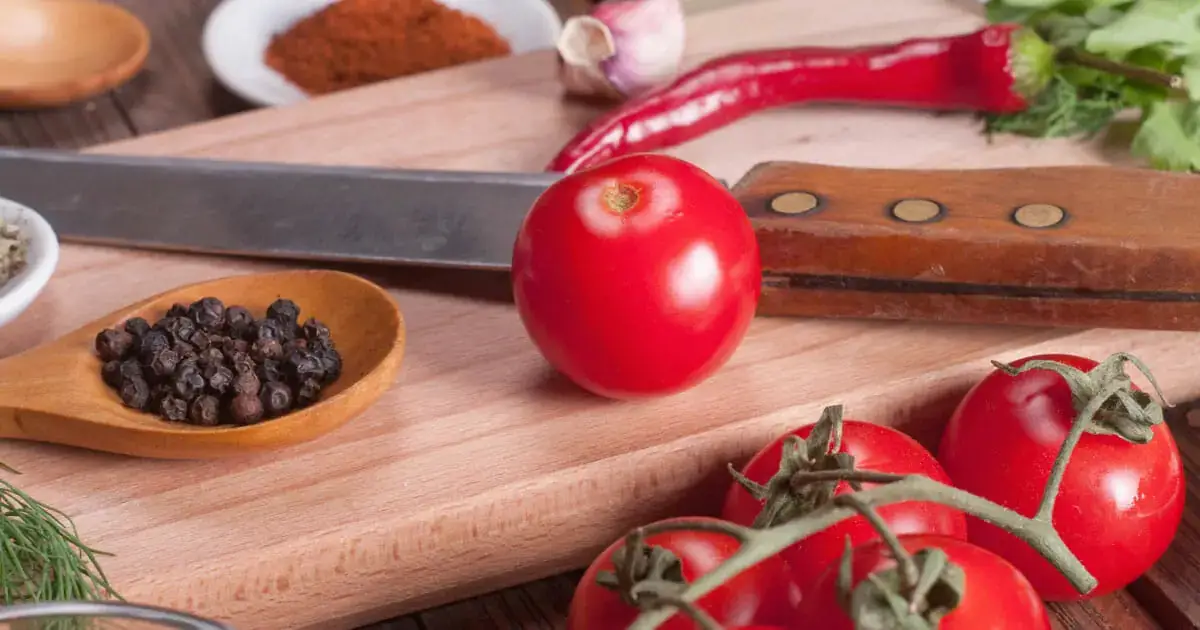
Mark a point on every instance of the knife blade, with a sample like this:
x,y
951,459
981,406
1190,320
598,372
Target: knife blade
x,y
1062,246
426,218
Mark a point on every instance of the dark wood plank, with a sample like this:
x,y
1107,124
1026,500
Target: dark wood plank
x,y
94,121
1171,589
1118,611
175,87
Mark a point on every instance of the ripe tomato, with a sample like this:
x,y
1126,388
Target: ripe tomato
x,y
758,595
1119,504
638,277
875,448
996,595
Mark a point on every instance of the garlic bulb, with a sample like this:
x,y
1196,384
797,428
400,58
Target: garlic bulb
x,y
622,48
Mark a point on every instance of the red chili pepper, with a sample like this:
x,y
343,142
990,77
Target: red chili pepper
x,y
995,69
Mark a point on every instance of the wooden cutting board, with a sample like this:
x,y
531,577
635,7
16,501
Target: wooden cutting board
x,y
481,468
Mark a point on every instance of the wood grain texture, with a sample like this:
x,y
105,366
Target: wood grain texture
x,y
1172,587
455,482
1122,256
53,393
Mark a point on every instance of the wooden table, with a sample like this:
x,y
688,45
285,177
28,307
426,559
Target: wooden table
x,y
176,89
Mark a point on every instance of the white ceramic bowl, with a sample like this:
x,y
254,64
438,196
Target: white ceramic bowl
x,y
238,32
19,292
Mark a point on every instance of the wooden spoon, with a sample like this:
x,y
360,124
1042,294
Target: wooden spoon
x,y
54,393
53,52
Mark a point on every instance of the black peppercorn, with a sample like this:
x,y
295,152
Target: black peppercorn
x,y
173,409
179,328
331,362
187,363
205,411
285,312
185,350
157,393
201,340
246,409
111,373
219,378
267,329
211,356
233,346
241,362
276,399
246,383
164,362
270,372
208,313
307,392
266,349
135,393
315,331
238,320
113,345
188,384
207,364
301,365
137,326
299,343
153,342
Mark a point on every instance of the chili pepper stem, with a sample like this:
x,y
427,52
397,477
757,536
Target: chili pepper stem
x,y
763,544
1077,57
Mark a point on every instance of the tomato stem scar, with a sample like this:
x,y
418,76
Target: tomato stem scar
x,y
621,197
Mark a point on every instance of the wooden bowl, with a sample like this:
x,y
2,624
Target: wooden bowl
x,y
54,52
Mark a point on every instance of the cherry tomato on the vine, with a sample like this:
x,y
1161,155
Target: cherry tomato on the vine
x,y
875,448
638,277
1119,504
996,595
758,595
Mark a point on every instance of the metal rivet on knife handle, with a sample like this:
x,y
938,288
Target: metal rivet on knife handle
x,y
917,211
1039,215
798,202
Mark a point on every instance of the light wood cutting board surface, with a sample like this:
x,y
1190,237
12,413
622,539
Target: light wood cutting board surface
x,y
481,468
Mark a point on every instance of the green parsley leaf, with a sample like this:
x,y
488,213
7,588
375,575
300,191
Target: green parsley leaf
x,y
1173,25
1169,137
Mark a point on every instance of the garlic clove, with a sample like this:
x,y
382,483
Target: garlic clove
x,y
622,49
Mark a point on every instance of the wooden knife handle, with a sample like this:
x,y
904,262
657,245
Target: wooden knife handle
x,y
1059,246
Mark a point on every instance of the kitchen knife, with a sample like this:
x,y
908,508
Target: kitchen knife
x,y
1063,246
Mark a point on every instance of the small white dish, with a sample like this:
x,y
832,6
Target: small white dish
x,y
42,258
237,33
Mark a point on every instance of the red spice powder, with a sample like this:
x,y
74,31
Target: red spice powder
x,y
357,42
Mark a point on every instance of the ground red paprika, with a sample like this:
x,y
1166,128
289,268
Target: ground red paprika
x,y
357,42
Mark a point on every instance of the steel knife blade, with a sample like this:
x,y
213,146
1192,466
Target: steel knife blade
x,y
1064,246
428,218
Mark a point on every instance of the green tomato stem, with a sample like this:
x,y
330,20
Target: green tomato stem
x,y
763,544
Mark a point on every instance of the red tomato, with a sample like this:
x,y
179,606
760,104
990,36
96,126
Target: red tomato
x,y
1119,504
876,448
996,595
756,596
638,277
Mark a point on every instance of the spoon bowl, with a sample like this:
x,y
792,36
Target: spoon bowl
x,y
54,393
54,52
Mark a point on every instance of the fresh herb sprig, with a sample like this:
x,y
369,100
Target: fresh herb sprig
x,y
41,555
1114,56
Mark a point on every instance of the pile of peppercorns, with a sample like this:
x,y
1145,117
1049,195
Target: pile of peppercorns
x,y
208,365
